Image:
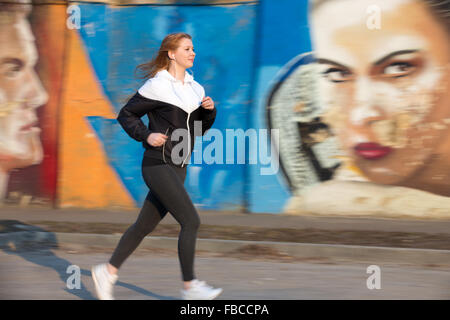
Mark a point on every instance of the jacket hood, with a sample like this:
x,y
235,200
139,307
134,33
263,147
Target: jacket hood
x,y
165,74
164,87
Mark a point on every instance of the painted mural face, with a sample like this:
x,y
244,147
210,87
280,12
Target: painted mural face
x,y
387,90
21,93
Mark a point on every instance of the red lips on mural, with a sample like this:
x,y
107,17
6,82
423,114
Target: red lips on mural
x,y
372,150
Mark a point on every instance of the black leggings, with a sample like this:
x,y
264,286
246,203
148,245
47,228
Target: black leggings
x,y
167,194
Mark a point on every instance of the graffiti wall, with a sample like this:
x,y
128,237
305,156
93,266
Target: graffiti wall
x,y
365,115
30,88
353,96
83,76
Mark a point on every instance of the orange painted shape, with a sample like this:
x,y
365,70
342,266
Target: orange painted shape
x,y
85,177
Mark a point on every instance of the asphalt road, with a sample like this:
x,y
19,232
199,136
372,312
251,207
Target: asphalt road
x,y
155,275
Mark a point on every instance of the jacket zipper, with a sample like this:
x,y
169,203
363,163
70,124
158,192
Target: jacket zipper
x,y
164,156
189,142
189,132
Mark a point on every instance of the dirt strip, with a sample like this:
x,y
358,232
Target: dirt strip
x,y
308,235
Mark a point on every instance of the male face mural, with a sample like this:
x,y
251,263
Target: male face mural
x,y
387,90
21,93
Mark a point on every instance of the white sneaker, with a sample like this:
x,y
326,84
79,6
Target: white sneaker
x,y
104,282
199,290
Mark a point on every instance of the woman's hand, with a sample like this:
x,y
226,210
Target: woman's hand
x,y
156,139
207,103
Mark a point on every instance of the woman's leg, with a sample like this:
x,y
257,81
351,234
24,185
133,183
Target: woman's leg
x,y
105,275
151,214
167,184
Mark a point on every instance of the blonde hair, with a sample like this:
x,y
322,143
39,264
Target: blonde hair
x,y
161,61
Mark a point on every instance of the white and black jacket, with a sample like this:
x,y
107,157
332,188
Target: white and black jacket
x,y
168,108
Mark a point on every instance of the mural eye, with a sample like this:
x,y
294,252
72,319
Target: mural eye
x,y
337,75
398,69
10,70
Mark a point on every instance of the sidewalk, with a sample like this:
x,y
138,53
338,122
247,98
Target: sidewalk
x,y
298,236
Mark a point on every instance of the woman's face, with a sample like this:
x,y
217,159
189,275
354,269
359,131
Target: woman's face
x,y
21,92
185,55
387,89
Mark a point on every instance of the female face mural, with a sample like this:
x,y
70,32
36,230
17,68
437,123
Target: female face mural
x,y
387,90
21,93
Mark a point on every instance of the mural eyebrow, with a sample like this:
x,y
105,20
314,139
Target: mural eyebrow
x,y
380,61
326,61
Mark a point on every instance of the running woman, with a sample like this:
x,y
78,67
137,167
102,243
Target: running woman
x,y
172,100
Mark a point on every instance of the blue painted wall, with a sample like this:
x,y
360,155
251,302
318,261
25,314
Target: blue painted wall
x,y
283,33
240,49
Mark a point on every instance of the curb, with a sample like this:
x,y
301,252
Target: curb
x,y
376,255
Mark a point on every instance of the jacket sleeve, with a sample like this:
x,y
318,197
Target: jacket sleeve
x,y
207,117
130,118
